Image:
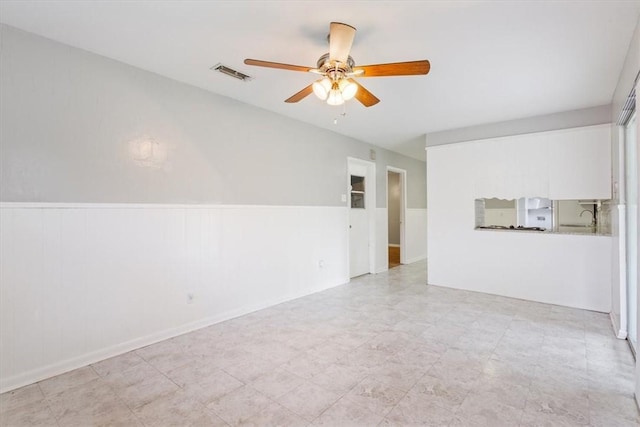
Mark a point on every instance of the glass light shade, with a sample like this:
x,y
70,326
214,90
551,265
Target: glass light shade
x,y
348,89
335,97
321,88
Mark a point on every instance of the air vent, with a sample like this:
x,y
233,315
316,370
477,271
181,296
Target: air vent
x,y
231,72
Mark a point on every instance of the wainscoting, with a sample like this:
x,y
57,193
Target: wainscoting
x,y
83,282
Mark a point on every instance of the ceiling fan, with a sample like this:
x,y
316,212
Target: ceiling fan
x,y
338,70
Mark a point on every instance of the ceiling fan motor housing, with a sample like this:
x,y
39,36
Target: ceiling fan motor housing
x,y
333,69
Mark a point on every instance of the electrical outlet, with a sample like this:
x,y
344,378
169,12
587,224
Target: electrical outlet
x,y
321,263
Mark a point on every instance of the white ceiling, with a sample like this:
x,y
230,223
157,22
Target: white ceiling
x,y
491,61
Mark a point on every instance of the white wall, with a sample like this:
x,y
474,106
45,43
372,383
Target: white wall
x,y
134,190
562,120
415,235
83,282
77,127
559,269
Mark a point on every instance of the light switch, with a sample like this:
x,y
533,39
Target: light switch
x,y
344,198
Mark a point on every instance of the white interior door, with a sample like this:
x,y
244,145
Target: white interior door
x,y
359,200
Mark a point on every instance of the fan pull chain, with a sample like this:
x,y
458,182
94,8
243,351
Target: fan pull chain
x,y
343,114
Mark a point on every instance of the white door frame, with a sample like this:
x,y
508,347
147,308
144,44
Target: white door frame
x,y
403,208
370,207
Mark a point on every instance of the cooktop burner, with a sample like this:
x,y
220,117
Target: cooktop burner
x,y
512,227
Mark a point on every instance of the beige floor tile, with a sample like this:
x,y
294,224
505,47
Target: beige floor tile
x,y
346,413
618,405
308,400
250,370
339,378
192,373
506,393
93,403
327,351
530,419
91,397
398,375
239,405
147,390
24,396
169,361
275,415
418,355
276,383
131,376
117,364
376,396
113,413
486,409
416,409
463,373
35,413
611,419
305,366
207,393
440,391
177,409
567,410
517,372
68,380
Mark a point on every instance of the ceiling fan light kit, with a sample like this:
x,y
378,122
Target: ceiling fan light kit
x,y
335,92
321,88
347,89
338,69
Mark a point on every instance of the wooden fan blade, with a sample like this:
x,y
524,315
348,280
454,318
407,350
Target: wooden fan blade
x,y
268,64
340,41
394,69
300,95
365,97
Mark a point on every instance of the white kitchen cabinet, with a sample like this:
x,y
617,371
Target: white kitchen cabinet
x,y
580,163
566,164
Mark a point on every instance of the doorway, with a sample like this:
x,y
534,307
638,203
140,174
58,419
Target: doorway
x,y
362,200
396,196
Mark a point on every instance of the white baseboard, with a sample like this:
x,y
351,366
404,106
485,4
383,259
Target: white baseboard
x,y
620,334
30,377
416,259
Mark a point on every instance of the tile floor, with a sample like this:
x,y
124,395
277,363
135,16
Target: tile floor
x,y
385,350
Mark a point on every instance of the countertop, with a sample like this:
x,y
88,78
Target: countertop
x,y
571,230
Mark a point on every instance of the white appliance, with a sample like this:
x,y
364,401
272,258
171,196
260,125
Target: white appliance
x,y
535,212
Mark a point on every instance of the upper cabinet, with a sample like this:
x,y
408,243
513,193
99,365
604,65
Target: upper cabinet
x,y
561,165
580,163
